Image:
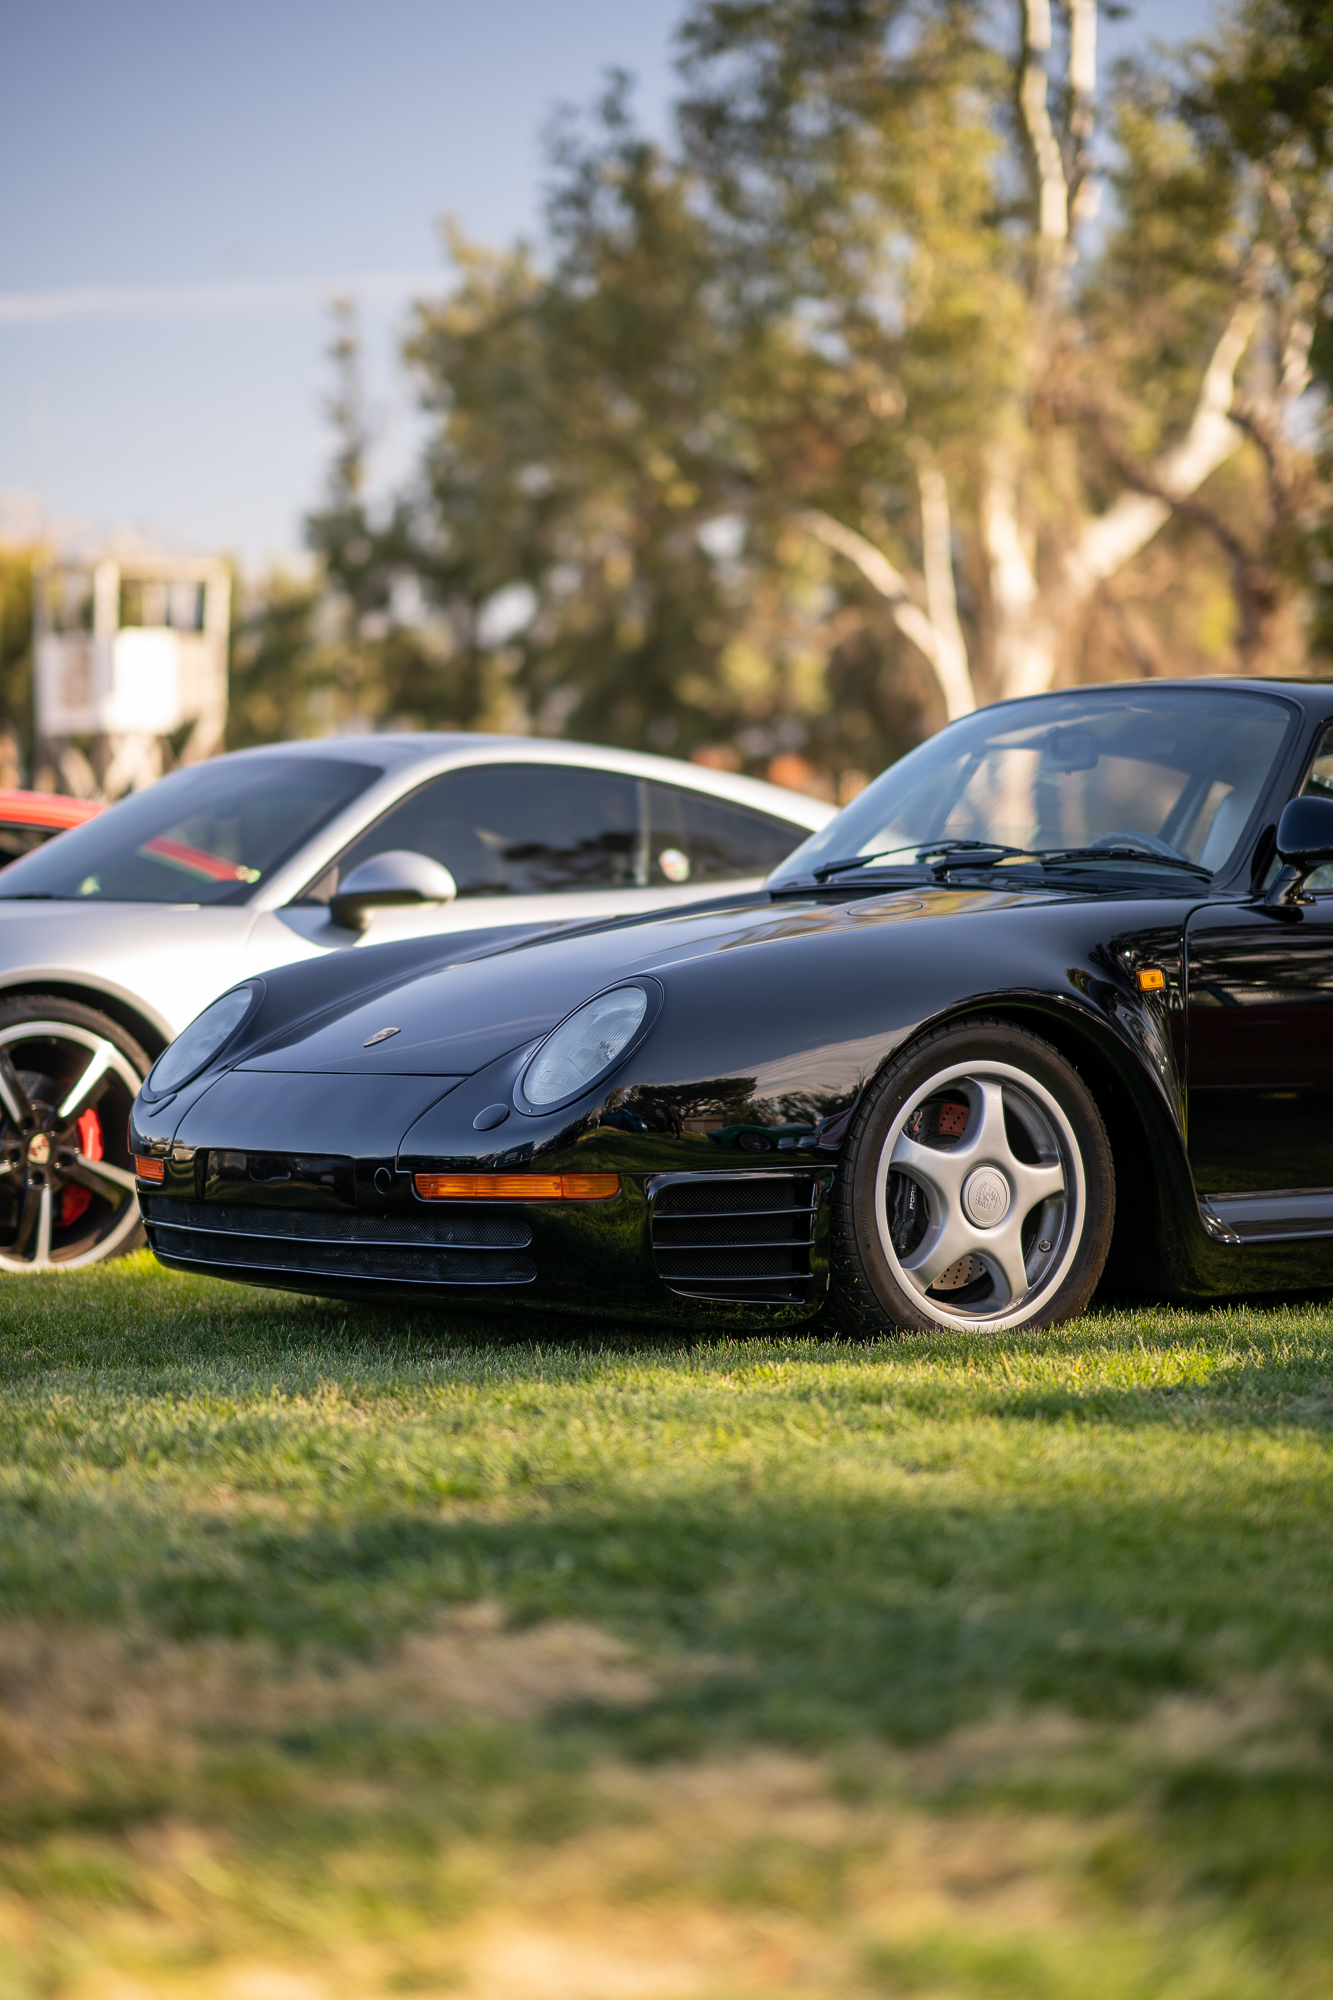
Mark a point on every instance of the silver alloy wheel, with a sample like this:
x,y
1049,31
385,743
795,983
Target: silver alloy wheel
x,y
975,1220
40,1151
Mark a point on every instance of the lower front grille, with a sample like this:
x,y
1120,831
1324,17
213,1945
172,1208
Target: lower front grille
x,y
736,1237
460,1248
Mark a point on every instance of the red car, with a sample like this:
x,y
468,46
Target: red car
x,y
29,818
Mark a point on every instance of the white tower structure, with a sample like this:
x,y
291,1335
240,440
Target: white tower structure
x,y
130,667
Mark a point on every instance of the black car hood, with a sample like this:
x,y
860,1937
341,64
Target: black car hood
x,y
454,1019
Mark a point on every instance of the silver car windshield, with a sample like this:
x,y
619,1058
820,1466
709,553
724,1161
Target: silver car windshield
x,y
1177,771
209,834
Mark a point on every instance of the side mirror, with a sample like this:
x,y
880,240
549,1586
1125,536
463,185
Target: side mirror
x,y
1304,843
395,877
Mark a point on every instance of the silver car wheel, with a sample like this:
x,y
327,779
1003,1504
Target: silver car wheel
x,y
980,1196
42,1155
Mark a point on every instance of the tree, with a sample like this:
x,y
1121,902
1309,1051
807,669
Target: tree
x,y
845,398
926,201
16,566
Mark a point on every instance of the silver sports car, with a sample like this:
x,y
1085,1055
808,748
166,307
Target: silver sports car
x,y
115,935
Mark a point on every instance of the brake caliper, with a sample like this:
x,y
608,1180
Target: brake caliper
x,y
74,1200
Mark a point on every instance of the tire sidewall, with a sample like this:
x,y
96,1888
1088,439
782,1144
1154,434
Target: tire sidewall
x,y
868,1277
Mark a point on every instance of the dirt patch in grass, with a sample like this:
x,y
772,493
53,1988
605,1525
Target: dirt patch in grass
x,y
68,1695
1017,1858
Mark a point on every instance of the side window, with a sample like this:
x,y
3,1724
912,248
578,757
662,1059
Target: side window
x,y
1319,785
692,838
510,830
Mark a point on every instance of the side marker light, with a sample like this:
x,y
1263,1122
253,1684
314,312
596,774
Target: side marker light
x,y
150,1170
516,1187
1151,979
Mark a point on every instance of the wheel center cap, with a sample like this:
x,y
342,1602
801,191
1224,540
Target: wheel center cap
x,y
39,1149
986,1197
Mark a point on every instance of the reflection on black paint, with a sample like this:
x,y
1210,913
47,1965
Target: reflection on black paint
x,y
1261,1049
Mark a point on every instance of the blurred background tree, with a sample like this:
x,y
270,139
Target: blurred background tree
x,y
845,411
16,716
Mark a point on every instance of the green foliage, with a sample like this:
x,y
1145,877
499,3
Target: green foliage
x,y
833,284
16,647
274,672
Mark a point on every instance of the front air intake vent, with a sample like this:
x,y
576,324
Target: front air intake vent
x,y
736,1237
462,1247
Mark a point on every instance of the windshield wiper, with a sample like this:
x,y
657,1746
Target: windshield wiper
x,y
947,854
1120,854
921,853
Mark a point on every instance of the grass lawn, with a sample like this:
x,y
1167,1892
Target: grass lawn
x,y
347,1654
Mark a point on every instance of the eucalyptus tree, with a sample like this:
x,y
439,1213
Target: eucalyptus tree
x,y
914,189
858,353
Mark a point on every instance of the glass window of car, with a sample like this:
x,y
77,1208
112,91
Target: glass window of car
x,y
208,834
1183,767
694,838
541,829
510,830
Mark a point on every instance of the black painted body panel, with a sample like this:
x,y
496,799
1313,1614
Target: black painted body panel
x,y
1261,1048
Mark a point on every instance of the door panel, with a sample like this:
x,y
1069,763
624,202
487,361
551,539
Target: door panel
x,y
1261,1049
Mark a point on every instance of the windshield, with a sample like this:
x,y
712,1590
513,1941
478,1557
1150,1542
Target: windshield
x,y
209,834
1178,770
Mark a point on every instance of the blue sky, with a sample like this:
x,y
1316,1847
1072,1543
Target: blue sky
x,y
186,186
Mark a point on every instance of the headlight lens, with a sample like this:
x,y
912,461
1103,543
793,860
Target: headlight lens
x,y
585,1045
205,1038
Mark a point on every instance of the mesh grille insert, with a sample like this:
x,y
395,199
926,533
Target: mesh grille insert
x,y
741,1237
784,1263
756,1193
743,1230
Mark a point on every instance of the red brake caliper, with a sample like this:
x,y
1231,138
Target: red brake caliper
x,y
74,1200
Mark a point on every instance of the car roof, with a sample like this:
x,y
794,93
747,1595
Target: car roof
x,y
1314,692
396,752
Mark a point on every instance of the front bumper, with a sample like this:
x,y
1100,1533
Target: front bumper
x,y
673,1247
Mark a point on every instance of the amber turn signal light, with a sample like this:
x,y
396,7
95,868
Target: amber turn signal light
x,y
150,1170
1151,979
516,1187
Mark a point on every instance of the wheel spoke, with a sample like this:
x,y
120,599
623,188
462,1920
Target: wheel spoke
x,y
1034,1184
96,1174
99,1062
41,1255
990,1141
28,1219
942,1172
1002,1249
953,1239
12,1094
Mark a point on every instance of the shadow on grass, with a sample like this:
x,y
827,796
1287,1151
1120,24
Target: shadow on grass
x,y
891,1606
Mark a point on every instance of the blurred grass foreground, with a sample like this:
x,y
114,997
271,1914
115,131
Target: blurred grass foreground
x,y
346,1654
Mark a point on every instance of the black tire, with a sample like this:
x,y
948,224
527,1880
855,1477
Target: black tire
x,y
1005,1173
68,1076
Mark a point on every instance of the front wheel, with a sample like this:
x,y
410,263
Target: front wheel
x,y
68,1077
977,1191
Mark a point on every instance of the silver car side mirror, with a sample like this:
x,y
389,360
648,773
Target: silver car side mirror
x,y
396,877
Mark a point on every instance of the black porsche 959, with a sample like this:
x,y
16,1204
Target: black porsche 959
x,y
1049,1004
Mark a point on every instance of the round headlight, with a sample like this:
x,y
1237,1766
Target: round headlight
x,y
204,1040
585,1046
